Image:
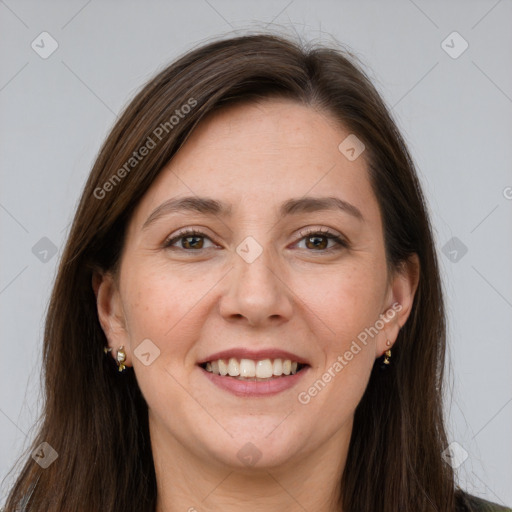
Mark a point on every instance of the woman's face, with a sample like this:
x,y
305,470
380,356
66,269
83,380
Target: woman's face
x,y
260,281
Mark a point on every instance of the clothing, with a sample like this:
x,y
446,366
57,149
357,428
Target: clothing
x,y
468,503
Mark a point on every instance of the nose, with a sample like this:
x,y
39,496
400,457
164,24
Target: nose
x,y
257,292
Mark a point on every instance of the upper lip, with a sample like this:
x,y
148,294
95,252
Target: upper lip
x,y
255,355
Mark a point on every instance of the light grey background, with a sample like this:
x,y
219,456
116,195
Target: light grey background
x,y
454,112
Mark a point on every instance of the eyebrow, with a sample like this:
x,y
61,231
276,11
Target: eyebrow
x,y
209,206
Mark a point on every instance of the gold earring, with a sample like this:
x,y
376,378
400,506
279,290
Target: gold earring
x,y
385,359
121,358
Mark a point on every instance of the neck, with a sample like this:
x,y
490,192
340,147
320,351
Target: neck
x,y
188,482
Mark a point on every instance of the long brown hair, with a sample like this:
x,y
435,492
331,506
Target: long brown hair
x,y
96,418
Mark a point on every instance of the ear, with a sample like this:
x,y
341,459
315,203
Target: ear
x,y
111,313
400,298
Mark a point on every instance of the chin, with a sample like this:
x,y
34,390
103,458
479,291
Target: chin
x,y
263,446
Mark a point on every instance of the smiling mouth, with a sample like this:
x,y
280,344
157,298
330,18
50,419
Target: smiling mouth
x,y
251,370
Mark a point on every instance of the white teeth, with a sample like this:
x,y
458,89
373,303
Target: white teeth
x,y
247,368
223,367
250,369
264,369
233,367
278,367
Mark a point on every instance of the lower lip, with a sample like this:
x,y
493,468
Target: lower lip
x,y
255,389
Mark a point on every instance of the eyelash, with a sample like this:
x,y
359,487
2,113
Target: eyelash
x,y
342,243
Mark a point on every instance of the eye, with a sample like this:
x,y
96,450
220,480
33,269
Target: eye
x,y
318,239
191,239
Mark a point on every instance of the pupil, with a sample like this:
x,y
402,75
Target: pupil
x,y
193,244
317,238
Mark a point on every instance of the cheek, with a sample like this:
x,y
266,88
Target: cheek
x,y
162,307
346,305
346,302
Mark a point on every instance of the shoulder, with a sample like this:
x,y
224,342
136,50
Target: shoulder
x,y
469,503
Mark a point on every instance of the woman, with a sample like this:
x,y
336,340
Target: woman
x,y
248,309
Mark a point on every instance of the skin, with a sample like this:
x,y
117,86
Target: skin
x,y
294,296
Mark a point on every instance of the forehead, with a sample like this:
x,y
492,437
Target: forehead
x,y
276,130
256,154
